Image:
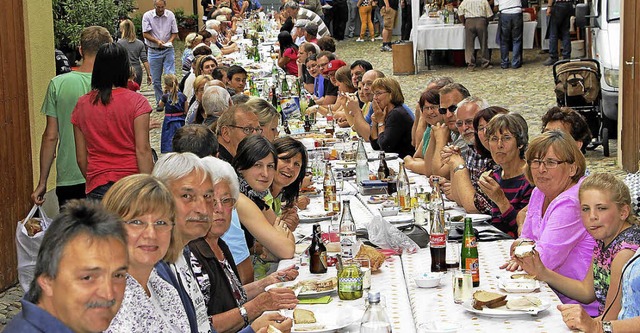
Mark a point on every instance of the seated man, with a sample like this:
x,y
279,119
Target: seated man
x,y
85,243
237,80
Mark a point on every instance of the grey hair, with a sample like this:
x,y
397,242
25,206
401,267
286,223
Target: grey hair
x,y
212,24
78,217
213,32
480,102
221,171
173,166
156,1
215,100
291,4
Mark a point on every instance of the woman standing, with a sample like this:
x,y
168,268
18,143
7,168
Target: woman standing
x,y
111,125
136,50
365,9
390,121
288,53
507,187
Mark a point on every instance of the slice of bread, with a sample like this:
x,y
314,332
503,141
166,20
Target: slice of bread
x,y
522,276
273,329
489,299
302,316
523,303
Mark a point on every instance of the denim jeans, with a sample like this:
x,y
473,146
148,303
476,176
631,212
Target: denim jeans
x,y
511,27
559,28
353,15
159,61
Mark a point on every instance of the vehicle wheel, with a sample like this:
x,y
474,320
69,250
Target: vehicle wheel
x,y
605,141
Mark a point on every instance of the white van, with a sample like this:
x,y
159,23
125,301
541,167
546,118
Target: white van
x,y
605,47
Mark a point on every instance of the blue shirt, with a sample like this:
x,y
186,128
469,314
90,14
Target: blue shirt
x,y
33,318
318,86
405,106
234,237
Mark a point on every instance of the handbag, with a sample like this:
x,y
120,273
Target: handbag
x,y
417,233
29,235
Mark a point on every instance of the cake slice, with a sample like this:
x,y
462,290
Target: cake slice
x,y
489,299
302,316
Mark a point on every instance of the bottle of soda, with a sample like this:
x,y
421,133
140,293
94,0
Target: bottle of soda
x,y
438,242
329,187
383,168
469,253
347,232
307,124
330,129
362,163
404,190
317,252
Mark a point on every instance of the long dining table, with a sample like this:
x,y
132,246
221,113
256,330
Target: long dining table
x,y
410,308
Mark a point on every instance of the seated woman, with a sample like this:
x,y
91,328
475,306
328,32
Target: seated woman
x,y
428,106
268,117
628,320
390,121
292,161
464,183
556,167
196,111
150,303
288,56
606,214
507,187
231,304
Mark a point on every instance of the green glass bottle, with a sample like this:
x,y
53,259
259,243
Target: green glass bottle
x,y
469,254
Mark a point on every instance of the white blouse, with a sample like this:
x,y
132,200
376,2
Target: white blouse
x,y
161,312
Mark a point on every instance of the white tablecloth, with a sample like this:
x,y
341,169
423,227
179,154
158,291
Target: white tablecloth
x,y
437,303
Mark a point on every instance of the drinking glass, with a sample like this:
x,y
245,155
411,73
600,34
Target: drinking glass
x,y
462,285
365,268
452,258
339,181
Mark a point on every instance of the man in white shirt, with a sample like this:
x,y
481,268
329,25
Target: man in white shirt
x,y
511,27
475,14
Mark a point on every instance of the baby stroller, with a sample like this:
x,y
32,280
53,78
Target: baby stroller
x,y
578,87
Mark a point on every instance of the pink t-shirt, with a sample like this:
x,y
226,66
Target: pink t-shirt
x,y
109,135
292,66
564,244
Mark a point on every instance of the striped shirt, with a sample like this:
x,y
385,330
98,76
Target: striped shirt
x,y
518,191
305,14
475,8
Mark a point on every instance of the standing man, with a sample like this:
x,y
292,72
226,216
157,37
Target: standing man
x,y
352,6
475,14
79,278
511,27
405,21
340,18
159,29
389,11
62,94
560,12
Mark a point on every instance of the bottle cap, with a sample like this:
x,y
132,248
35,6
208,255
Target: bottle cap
x,y
374,297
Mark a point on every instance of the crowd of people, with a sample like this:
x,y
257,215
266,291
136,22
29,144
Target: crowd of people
x,y
187,242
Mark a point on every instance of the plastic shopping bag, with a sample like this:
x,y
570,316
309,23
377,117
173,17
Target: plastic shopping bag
x,y
29,234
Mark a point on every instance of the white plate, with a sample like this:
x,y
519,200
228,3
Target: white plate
x,y
306,217
400,218
518,285
330,317
387,157
503,312
302,294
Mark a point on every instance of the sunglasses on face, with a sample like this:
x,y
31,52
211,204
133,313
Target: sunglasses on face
x,y
451,109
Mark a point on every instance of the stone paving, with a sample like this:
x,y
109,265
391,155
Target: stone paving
x,y
528,90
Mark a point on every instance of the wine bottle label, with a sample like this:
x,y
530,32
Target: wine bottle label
x,y
438,240
470,242
473,264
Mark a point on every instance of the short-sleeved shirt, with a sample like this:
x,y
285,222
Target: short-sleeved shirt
x,y
161,27
34,319
509,6
475,8
177,107
109,135
292,66
628,239
630,300
235,239
329,88
60,100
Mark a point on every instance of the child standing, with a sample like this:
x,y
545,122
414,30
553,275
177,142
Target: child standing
x,y
132,84
175,108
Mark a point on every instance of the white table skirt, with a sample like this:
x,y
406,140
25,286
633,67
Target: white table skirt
x,y
451,37
437,303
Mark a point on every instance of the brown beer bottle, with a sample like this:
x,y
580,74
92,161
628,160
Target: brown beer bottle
x,y
317,252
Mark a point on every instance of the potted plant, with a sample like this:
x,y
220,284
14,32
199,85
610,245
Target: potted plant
x,y
186,23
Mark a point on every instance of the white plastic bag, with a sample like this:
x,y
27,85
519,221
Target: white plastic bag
x,y
385,235
28,246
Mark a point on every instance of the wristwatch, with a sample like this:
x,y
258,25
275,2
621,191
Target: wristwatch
x,y
459,167
606,327
380,124
244,314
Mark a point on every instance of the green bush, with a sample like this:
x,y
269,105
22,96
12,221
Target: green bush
x,y
70,17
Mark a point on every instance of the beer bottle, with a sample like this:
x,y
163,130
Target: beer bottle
x,y
284,86
438,242
404,190
383,168
469,254
317,252
329,187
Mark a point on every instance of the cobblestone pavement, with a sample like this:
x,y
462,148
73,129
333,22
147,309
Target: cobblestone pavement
x,y
528,90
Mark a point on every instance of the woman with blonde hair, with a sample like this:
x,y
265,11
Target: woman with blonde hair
x,y
196,108
267,115
136,50
190,42
390,120
150,303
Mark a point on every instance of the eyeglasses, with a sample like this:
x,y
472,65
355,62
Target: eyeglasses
x,y
159,226
468,122
378,93
430,107
451,109
548,164
224,202
504,139
481,129
248,130
322,65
